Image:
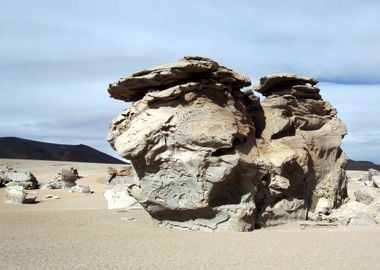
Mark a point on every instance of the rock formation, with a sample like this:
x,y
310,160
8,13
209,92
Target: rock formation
x,y
65,179
17,195
208,155
118,198
363,205
81,189
12,177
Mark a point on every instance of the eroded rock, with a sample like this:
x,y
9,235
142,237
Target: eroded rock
x,y
65,179
119,198
366,195
354,213
288,84
12,177
81,189
208,156
135,87
17,195
376,180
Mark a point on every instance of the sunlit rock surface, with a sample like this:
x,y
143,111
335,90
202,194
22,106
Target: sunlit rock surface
x,y
209,156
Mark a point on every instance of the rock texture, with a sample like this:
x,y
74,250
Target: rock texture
x,y
17,195
65,179
80,189
209,156
119,198
121,177
363,204
12,177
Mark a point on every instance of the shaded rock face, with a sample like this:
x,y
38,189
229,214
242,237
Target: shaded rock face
x,y
208,156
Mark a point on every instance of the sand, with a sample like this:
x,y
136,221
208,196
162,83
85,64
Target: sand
x,y
78,232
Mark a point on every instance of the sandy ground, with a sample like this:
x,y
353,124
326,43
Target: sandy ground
x,y
77,232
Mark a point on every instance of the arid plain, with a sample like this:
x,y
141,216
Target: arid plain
x,y
78,232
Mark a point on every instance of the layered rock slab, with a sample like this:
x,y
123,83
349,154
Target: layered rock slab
x,y
287,83
209,157
187,69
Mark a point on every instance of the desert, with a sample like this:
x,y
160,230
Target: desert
x,y
78,232
219,178
189,134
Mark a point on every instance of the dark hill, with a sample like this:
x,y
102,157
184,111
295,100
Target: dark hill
x,y
17,148
361,165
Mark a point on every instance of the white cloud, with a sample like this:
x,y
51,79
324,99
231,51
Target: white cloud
x,y
57,57
358,107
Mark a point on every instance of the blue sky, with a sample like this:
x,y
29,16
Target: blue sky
x,y
58,57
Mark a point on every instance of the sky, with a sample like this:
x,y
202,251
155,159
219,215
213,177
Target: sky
x,y
58,57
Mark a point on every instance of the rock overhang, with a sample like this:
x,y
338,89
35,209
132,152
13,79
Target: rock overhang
x,y
188,69
208,156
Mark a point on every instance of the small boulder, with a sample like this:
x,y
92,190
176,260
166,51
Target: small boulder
x,y
17,195
373,172
119,198
285,211
368,184
358,176
354,213
64,179
376,180
362,221
52,185
11,177
81,189
365,195
278,184
323,206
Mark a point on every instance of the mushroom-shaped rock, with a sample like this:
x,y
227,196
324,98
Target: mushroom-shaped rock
x,y
188,69
207,156
286,83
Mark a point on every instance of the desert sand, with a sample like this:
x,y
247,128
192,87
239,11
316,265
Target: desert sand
x,y
78,232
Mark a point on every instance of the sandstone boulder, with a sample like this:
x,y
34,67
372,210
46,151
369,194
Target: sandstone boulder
x,y
80,189
366,195
288,84
119,198
376,180
209,156
17,195
65,179
12,177
354,213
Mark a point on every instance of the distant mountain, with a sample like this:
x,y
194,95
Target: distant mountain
x,y
17,148
361,165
